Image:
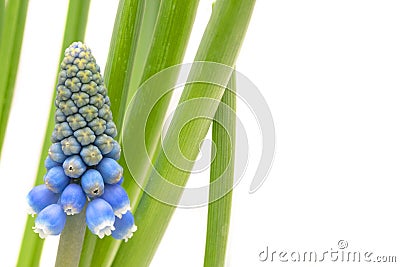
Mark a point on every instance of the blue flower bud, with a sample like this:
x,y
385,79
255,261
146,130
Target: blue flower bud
x,y
97,100
105,113
56,153
80,63
85,136
60,117
102,90
91,155
61,130
68,107
63,93
110,170
115,153
72,199
116,196
80,99
89,112
85,76
92,66
70,146
49,163
124,227
76,121
71,70
92,183
56,180
98,126
73,84
111,129
90,88
97,78
74,167
50,221
104,143
62,77
40,197
100,217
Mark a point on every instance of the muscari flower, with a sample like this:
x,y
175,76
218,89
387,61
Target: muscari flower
x,y
82,166
124,227
50,221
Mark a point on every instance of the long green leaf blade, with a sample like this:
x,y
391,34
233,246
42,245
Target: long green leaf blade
x,y
10,49
219,211
75,27
2,7
170,39
220,43
117,77
170,30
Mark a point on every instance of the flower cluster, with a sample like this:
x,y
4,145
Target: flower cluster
x,y
82,166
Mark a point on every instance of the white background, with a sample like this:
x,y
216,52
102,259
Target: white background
x,y
329,71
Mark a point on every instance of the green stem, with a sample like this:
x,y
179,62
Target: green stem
x,y
10,49
75,27
219,211
220,43
71,241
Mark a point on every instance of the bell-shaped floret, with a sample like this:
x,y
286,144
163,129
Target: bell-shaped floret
x,y
72,199
110,170
39,198
124,227
74,167
92,183
50,221
56,180
116,196
100,217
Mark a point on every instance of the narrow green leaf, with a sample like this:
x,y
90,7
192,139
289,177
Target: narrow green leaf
x,y
219,211
2,7
121,54
171,36
117,77
10,49
75,27
87,249
171,30
150,15
220,43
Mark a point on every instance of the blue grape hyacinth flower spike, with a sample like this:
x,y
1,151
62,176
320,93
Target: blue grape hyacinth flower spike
x,y
82,167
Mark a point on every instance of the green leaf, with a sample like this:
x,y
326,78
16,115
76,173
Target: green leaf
x,y
171,36
117,77
2,7
171,30
10,49
220,43
222,167
75,27
150,14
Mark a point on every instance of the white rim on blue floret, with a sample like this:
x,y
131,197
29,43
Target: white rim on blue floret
x,y
104,229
